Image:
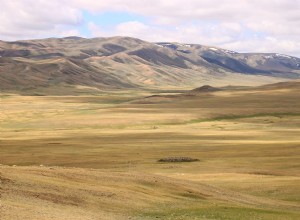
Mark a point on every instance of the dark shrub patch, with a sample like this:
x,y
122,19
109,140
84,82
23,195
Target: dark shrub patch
x,y
177,159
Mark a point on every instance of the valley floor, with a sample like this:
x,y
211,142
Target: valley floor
x,y
96,157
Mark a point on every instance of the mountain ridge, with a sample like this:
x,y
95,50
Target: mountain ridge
x,y
124,62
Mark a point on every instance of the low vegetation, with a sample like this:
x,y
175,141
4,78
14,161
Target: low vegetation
x,y
100,156
177,159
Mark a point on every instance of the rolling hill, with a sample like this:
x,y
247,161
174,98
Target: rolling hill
x,y
127,63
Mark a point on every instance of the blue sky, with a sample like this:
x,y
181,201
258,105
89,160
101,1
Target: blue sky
x,y
106,20
244,25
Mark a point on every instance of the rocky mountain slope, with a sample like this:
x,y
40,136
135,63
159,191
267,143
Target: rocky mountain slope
x,y
123,62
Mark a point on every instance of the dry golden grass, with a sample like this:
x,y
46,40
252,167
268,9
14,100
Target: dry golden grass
x,y
247,143
76,193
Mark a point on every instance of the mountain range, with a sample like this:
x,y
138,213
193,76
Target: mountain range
x,y
127,63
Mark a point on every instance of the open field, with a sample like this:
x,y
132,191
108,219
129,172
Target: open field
x,y
247,142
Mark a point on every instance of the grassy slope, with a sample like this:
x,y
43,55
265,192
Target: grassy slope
x,y
247,142
75,193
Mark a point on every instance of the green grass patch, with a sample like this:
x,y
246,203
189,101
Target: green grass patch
x,y
233,117
220,212
229,117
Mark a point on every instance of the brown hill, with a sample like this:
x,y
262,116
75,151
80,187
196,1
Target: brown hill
x,y
205,88
123,62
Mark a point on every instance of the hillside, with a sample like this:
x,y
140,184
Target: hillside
x,y
123,62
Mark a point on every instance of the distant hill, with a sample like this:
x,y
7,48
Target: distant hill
x,y
124,63
205,88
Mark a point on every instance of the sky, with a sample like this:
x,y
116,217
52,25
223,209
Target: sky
x,y
240,25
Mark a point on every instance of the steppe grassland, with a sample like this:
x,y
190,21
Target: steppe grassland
x,y
246,141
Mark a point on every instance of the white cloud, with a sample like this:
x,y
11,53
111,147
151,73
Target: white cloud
x,y
132,28
244,25
21,19
68,33
206,34
266,44
95,30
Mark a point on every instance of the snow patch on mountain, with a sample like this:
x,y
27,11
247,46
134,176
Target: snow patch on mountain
x,y
278,55
229,51
282,55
